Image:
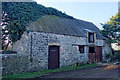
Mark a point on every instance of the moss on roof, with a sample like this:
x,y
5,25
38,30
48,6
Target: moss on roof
x,y
55,24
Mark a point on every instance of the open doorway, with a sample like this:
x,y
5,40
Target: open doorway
x,y
91,54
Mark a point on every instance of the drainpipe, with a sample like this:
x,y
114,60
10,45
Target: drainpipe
x,y
31,47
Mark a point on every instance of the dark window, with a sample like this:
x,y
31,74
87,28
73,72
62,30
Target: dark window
x,y
81,49
91,37
91,50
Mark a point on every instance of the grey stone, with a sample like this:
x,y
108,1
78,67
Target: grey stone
x,y
33,52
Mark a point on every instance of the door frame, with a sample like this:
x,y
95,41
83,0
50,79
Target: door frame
x,y
57,53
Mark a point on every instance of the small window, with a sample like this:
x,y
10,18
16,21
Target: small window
x,y
81,49
91,50
91,37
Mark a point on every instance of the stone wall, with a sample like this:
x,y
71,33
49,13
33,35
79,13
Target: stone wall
x,y
100,42
14,63
0,67
22,46
0,25
0,38
33,52
107,49
36,44
69,53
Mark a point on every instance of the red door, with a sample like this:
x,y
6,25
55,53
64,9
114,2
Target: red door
x,y
53,57
98,54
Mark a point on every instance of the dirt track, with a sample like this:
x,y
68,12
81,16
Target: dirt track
x,y
110,71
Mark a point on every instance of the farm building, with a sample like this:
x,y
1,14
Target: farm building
x,y
52,42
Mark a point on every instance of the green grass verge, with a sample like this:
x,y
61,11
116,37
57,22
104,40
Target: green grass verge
x,y
41,73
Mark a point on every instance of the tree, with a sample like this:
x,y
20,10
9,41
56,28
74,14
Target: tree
x,y
111,29
4,24
17,15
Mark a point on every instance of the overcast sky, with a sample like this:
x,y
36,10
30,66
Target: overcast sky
x,y
96,11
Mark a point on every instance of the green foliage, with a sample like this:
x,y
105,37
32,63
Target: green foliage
x,y
105,33
113,57
109,40
110,56
111,27
19,14
117,55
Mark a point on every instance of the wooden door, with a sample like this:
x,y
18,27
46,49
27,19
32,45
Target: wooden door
x,y
98,54
91,54
53,57
91,57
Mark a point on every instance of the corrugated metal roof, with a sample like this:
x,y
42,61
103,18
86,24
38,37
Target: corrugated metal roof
x,y
54,24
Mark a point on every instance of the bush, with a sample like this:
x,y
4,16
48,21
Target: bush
x,y
117,55
113,57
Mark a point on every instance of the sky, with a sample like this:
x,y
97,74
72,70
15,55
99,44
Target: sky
x,y
93,11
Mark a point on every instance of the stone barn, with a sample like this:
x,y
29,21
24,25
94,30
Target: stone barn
x,y
52,42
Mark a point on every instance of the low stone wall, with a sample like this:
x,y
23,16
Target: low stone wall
x,y
20,63
14,63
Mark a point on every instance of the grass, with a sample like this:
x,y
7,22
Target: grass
x,y
44,72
